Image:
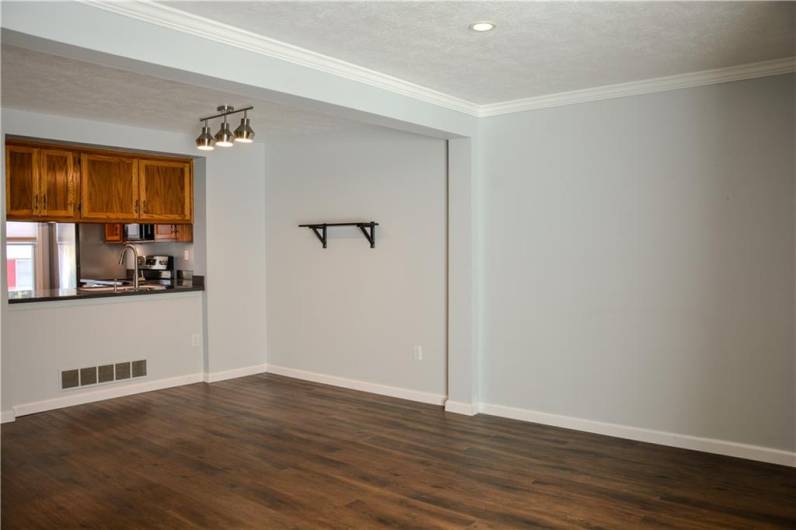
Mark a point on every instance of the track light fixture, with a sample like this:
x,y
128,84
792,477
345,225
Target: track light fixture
x,y
224,137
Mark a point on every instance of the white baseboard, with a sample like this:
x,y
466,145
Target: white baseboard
x,y
461,407
101,393
364,386
214,377
113,391
683,441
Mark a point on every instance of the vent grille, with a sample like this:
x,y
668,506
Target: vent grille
x,y
123,370
139,368
105,373
70,378
88,376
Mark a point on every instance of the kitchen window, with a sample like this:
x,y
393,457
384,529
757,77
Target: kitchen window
x,y
20,257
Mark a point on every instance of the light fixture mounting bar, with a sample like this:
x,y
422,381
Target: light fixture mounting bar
x,y
226,113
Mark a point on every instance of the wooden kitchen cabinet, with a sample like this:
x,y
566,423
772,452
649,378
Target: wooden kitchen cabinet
x,y
184,233
164,233
54,182
22,181
166,191
181,233
40,184
57,183
109,187
114,233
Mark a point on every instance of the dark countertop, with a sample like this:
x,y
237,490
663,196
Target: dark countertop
x,y
50,295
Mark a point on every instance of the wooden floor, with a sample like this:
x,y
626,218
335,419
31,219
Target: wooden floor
x,y
271,452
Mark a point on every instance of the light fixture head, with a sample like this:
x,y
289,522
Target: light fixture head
x,y
205,141
224,135
482,26
244,134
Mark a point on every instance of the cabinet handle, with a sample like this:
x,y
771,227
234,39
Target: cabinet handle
x,y
145,203
45,203
135,208
36,203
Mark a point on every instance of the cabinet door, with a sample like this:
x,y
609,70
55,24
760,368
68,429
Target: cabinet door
x,y
22,182
166,190
184,233
165,233
57,184
109,187
114,233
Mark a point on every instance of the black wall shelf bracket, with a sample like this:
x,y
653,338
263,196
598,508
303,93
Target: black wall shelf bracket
x,y
368,230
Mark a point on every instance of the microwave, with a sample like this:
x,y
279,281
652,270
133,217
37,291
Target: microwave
x,y
139,232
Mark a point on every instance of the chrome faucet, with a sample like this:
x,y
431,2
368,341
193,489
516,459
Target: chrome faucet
x,y
127,247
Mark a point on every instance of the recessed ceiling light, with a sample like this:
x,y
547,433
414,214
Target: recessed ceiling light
x,y
482,26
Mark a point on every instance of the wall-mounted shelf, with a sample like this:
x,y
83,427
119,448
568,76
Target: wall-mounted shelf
x,y
368,230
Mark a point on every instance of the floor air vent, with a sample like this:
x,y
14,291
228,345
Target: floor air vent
x,y
105,373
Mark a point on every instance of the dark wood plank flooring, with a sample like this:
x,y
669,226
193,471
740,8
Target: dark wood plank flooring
x,y
272,452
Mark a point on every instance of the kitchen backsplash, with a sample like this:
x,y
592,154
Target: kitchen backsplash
x,y
100,260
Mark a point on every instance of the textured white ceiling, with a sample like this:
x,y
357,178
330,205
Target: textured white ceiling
x,y
45,83
537,48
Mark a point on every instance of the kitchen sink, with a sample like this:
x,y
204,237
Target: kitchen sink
x,y
151,287
96,288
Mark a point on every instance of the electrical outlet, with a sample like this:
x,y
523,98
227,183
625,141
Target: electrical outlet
x,y
196,340
186,255
418,353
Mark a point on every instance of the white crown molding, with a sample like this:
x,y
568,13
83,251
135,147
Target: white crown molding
x,y
646,86
172,18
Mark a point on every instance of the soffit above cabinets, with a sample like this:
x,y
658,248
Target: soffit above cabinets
x,y
49,84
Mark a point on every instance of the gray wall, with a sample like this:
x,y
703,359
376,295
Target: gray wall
x,y
42,339
229,315
639,261
349,310
235,224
